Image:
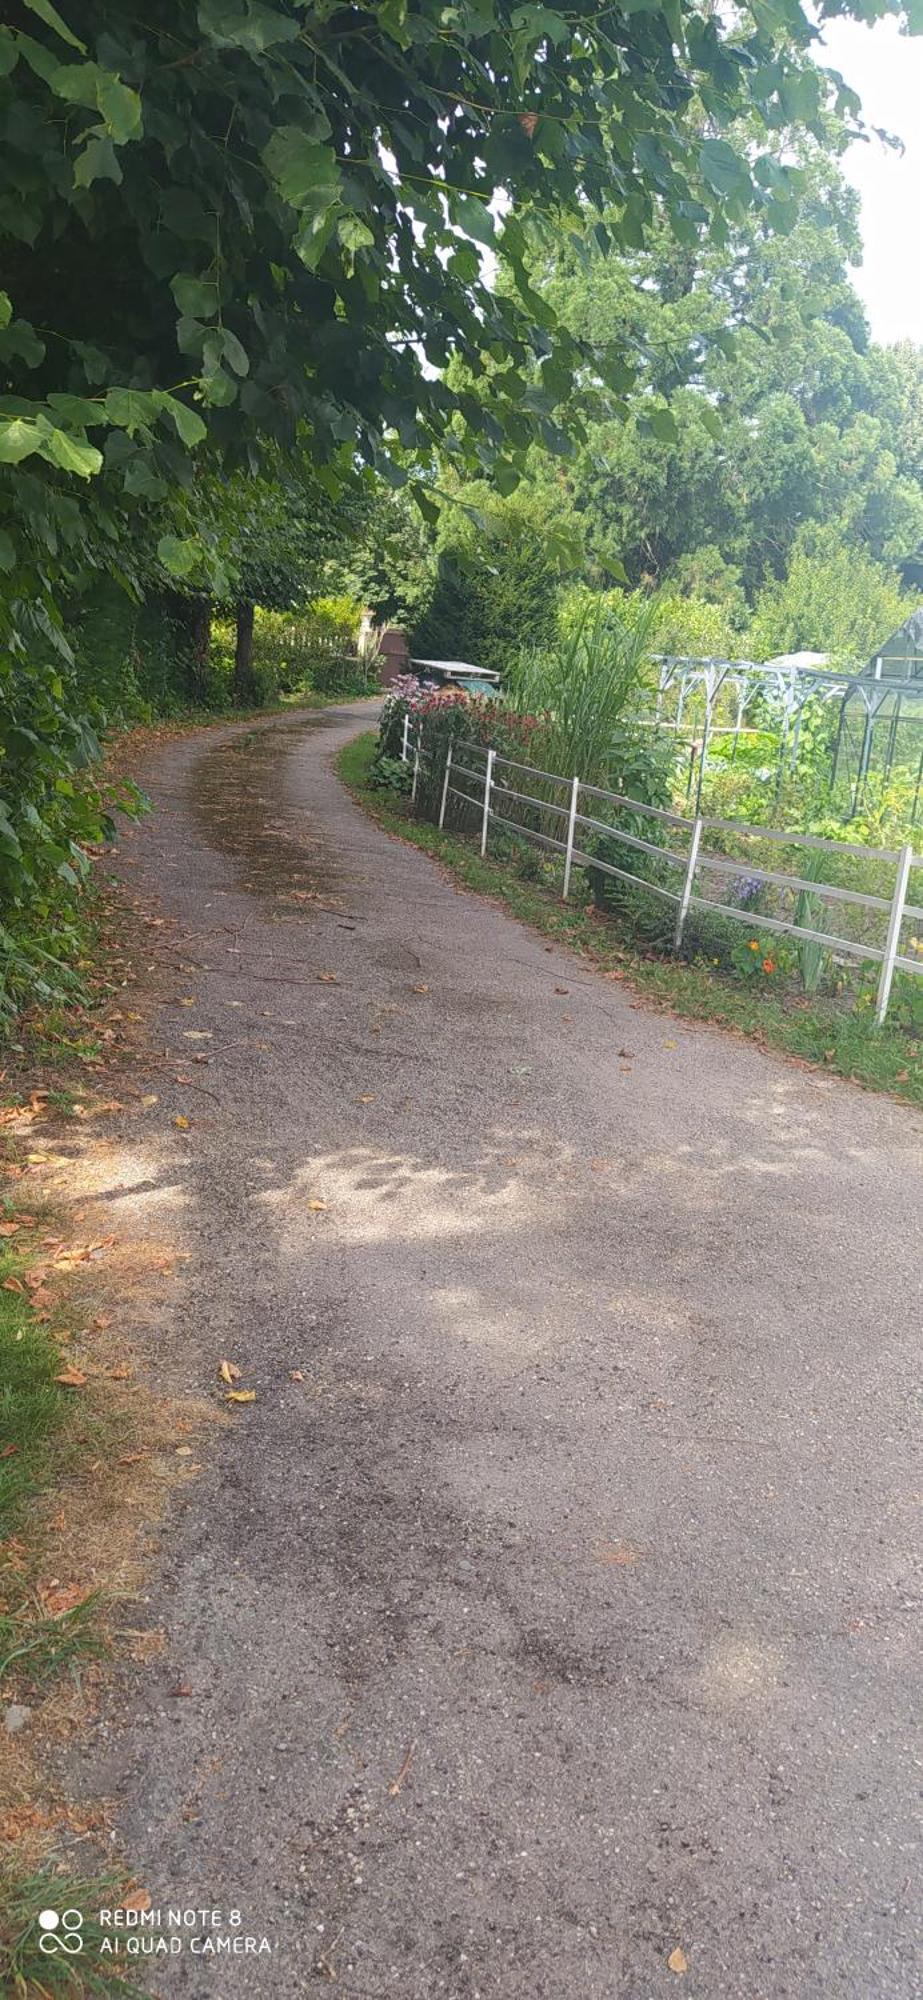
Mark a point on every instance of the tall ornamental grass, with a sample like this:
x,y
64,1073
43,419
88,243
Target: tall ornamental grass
x,y
585,685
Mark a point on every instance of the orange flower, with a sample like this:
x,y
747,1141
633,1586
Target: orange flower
x,y
769,965
754,944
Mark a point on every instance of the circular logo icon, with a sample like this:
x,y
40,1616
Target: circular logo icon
x,y
61,1930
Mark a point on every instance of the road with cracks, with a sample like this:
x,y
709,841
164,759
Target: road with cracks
x,y
549,1623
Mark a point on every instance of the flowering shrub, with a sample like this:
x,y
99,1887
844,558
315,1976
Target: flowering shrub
x,y
404,697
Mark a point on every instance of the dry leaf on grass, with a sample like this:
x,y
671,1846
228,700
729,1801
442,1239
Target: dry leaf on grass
x,y
58,1598
71,1378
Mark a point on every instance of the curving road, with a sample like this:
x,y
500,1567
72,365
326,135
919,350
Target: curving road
x,y
564,1618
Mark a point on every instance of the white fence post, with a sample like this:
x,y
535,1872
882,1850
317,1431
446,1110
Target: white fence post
x,y
445,786
488,781
416,769
895,921
685,898
404,739
571,821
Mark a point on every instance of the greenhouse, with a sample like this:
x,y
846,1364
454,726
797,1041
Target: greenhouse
x,y
878,725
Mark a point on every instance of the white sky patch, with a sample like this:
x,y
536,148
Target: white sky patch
x,y
885,68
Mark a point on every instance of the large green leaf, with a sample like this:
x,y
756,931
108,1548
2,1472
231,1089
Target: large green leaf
x,y
253,27
98,162
72,454
52,19
305,173
19,437
196,298
722,168
181,556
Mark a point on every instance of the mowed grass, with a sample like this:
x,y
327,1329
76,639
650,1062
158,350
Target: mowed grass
x,y
818,1032
36,1417
32,1405
29,1973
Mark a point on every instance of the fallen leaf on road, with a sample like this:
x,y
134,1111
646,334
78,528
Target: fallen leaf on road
x,y
191,1000
181,1123
120,1374
228,1372
317,1205
175,1693
71,1378
240,1396
149,1098
184,1451
562,989
422,988
669,1045
296,1375
329,978
366,1099
197,1035
677,1961
397,1782
618,1552
138,1899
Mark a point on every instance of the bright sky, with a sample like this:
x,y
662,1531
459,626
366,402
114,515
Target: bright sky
x,y
885,68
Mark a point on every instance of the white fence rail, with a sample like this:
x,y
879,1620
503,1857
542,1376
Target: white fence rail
x,y
493,790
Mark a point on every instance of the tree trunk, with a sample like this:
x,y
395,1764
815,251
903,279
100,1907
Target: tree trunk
x,y
193,624
244,687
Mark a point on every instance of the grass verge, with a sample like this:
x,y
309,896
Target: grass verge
x,y
25,1968
816,1032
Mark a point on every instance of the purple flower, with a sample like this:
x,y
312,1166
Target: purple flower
x,y
746,889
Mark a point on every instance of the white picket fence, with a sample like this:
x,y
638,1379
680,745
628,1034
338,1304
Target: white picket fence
x,y
493,791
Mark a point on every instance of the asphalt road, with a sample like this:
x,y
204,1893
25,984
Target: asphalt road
x,y
565,1616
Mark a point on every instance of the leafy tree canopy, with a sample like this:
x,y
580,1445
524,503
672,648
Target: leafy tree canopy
x,y
246,217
